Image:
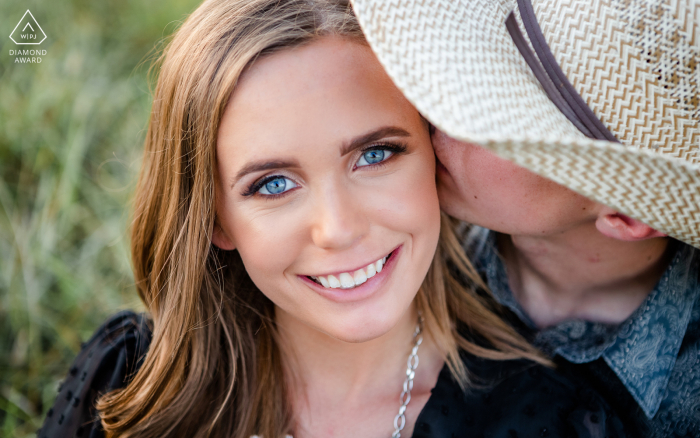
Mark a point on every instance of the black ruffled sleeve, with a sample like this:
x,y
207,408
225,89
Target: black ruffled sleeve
x,y
106,362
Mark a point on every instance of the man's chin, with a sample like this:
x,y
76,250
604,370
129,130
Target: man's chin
x,y
441,167
453,204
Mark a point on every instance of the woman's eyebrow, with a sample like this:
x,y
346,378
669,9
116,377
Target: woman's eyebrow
x,y
355,143
257,166
386,131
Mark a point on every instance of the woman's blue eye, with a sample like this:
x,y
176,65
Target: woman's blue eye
x,y
277,185
373,156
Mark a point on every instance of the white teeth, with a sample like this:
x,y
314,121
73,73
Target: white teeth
x,y
333,282
371,271
359,276
347,280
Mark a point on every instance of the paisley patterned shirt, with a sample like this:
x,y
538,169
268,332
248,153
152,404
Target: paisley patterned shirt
x,y
648,366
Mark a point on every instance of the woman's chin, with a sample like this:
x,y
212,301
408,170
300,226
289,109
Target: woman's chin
x,y
362,334
365,325
354,326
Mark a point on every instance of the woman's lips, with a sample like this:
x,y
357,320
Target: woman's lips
x,y
351,279
357,291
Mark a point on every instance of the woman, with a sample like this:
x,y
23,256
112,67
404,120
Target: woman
x,y
284,243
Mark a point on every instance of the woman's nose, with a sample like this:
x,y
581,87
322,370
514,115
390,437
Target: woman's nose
x,y
339,220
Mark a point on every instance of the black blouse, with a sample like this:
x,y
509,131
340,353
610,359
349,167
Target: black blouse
x,y
506,399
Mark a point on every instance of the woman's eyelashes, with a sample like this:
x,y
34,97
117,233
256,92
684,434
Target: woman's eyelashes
x,y
375,156
276,186
273,186
378,154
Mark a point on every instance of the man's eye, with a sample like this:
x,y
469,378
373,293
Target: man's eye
x,y
276,185
373,156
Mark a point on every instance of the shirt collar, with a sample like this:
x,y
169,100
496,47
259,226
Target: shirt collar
x,y
642,350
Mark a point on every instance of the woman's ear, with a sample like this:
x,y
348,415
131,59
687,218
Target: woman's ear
x,y
619,226
221,240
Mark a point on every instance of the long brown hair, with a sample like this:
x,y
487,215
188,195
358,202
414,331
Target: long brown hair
x,y
214,366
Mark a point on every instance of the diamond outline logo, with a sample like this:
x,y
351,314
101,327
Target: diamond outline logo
x,y
28,22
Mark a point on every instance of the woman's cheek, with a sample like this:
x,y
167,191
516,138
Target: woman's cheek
x,y
413,196
268,245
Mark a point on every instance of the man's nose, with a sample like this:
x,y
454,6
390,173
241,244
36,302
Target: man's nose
x,y
339,218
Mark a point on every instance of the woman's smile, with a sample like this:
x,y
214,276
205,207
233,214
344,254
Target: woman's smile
x,y
355,284
351,278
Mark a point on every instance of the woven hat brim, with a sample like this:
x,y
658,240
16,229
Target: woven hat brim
x,y
473,84
652,188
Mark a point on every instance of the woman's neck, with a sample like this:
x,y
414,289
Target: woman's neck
x,y
340,389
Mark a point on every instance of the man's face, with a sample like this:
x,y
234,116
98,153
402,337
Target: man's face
x,y
477,186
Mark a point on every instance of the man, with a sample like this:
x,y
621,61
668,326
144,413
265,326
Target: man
x,y
586,181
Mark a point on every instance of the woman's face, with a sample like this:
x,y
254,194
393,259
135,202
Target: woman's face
x,y
326,187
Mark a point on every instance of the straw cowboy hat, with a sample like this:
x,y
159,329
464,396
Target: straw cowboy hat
x,y
601,96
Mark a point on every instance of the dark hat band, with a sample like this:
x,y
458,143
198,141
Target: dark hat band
x,y
550,75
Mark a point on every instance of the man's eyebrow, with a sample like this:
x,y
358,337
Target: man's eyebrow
x,y
257,166
358,142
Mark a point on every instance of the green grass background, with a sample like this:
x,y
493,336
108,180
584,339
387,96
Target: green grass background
x,y
71,134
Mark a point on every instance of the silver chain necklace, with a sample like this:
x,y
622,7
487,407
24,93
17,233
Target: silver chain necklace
x,y
411,365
